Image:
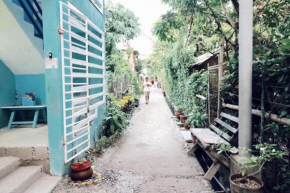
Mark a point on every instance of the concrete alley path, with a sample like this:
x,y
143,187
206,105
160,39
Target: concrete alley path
x,y
150,157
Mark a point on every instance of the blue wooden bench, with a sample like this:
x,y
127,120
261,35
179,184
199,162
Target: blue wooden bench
x,y
36,110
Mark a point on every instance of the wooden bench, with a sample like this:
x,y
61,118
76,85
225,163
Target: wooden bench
x,y
36,110
222,131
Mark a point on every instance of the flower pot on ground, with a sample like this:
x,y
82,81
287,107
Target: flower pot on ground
x,y
183,118
177,114
248,184
186,125
81,171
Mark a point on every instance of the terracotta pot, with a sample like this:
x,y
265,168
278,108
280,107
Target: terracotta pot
x,y
183,118
235,188
81,171
177,115
186,125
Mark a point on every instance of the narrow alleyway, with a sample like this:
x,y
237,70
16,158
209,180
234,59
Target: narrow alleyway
x,y
149,158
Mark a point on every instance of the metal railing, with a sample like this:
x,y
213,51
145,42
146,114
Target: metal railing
x,y
34,12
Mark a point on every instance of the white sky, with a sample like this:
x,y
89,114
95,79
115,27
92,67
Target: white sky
x,y
148,12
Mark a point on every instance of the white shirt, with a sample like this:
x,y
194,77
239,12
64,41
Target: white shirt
x,y
146,87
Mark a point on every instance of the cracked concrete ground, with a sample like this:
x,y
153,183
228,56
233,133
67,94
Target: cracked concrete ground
x,y
149,158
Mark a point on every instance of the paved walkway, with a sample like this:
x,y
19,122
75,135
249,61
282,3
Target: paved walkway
x,y
153,146
150,157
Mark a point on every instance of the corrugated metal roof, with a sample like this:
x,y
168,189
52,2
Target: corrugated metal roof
x,y
203,58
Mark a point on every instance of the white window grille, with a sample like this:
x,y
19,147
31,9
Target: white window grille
x,y
83,71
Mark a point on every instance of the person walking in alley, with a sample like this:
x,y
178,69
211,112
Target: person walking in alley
x,y
146,87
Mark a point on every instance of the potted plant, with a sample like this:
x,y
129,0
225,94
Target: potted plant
x,y
183,118
196,118
178,111
186,125
244,181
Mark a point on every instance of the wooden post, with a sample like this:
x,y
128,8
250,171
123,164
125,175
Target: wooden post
x,y
220,76
193,149
212,170
208,95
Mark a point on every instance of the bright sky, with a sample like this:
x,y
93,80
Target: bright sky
x,y
148,12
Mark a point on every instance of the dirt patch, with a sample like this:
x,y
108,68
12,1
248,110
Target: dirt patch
x,y
247,183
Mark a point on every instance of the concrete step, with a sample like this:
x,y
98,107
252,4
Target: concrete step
x,y
21,179
8,165
44,185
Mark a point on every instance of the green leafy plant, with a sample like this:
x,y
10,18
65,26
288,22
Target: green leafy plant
x,y
197,118
115,120
267,153
105,142
136,86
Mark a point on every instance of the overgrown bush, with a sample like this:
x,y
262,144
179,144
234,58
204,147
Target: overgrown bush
x,y
105,142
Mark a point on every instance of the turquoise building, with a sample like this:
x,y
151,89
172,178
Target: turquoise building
x,y
56,48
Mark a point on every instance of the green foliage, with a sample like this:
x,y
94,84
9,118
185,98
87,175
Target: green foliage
x,y
267,153
121,25
105,142
197,118
115,119
136,86
166,30
194,27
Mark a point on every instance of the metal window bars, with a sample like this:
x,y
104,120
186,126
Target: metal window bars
x,y
83,78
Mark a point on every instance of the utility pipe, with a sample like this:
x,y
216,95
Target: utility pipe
x,y
245,74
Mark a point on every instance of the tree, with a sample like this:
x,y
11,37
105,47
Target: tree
x,y
194,27
121,25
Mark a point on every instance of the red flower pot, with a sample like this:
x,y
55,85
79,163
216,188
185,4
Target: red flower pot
x,y
177,114
186,125
81,171
183,118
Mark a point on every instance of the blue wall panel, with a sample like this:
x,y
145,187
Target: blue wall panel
x,y
7,91
32,83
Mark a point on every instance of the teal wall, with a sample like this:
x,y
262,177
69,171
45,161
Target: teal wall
x,y
7,91
91,12
53,86
53,79
32,83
